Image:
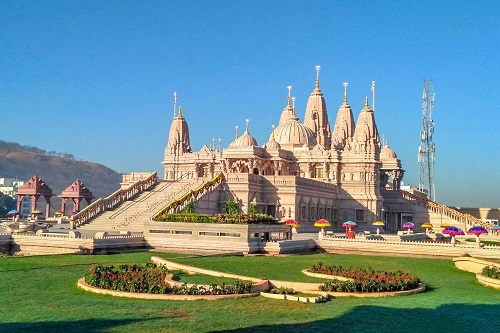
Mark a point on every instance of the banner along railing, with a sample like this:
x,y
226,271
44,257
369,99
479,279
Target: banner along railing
x,y
189,196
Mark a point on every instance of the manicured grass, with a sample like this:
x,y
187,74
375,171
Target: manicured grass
x,y
39,294
184,277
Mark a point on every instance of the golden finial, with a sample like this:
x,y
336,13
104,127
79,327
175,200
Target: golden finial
x,y
366,102
289,90
272,133
345,92
317,76
293,105
246,129
180,111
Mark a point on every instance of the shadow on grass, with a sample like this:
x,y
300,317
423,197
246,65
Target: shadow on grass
x,y
446,318
87,325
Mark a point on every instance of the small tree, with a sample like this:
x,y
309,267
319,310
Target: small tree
x,y
252,209
231,207
190,208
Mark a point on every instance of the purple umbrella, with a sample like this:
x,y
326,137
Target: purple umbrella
x,y
477,230
408,225
453,231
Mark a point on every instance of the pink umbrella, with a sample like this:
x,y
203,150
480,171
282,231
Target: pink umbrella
x,y
453,231
477,230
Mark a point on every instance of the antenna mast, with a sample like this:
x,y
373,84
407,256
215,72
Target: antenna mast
x,y
426,150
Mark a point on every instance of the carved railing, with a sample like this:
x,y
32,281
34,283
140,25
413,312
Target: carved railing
x,y
191,195
464,218
116,198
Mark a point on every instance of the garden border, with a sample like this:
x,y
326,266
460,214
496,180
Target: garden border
x,y
85,286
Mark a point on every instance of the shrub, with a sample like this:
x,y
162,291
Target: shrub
x,y
283,291
492,272
231,207
220,218
365,279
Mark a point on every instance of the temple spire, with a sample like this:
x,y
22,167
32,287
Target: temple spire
x,y
289,91
246,128
366,102
317,76
272,133
345,92
236,131
293,105
180,111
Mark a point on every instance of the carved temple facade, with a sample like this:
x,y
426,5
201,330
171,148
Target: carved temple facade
x,y
305,171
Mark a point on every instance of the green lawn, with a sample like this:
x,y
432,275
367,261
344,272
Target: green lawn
x,y
39,294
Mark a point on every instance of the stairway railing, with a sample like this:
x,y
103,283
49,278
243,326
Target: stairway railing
x,y
116,198
191,195
454,214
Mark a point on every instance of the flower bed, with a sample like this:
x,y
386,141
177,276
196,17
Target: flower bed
x,y
150,278
365,279
220,218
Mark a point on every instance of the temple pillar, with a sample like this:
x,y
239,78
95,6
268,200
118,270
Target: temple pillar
x,y
19,202
63,206
76,204
34,201
47,206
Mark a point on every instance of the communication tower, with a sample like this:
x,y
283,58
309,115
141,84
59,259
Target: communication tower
x,y
426,150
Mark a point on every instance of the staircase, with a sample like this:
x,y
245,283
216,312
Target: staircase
x,y
444,213
131,215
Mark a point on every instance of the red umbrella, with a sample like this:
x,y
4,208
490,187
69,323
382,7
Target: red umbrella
x,y
292,223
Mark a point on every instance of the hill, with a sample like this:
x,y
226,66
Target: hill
x,y
57,172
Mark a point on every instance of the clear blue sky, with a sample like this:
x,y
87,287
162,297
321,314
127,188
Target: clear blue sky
x,y
96,78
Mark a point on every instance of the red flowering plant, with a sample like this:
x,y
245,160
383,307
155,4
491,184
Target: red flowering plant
x,y
150,278
365,279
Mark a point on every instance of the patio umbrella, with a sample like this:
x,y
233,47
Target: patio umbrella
x,y
322,223
453,231
58,212
444,225
427,226
378,225
36,211
408,225
74,212
12,212
477,230
349,225
495,228
292,223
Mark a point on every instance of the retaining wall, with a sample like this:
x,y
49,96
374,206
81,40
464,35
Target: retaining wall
x,y
414,248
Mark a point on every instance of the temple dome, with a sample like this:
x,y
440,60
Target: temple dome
x,y
272,144
294,134
387,153
246,140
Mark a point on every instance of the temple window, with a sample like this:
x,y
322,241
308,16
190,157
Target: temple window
x,y
360,215
318,173
206,172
